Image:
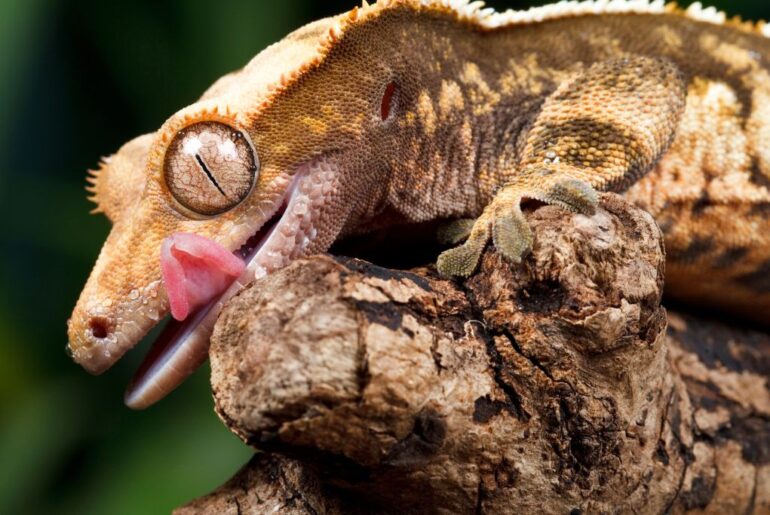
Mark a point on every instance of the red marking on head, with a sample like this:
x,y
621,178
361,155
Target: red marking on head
x,y
387,100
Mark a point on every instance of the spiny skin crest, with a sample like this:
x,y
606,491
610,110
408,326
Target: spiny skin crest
x,y
488,18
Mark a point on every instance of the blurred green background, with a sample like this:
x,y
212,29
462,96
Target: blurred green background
x,y
78,79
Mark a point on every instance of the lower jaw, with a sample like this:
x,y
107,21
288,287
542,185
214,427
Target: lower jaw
x,y
183,346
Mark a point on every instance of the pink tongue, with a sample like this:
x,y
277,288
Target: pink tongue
x,y
195,269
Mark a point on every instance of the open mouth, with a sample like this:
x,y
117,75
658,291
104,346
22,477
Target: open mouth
x,y
289,233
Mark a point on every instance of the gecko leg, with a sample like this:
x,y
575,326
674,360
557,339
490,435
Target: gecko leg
x,y
601,130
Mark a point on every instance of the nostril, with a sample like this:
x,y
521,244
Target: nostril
x,y
99,327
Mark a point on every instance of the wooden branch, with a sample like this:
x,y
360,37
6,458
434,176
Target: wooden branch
x,y
545,387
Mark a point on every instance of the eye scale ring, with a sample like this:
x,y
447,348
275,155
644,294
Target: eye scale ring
x,y
210,167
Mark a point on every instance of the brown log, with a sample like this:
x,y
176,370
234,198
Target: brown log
x,y
545,387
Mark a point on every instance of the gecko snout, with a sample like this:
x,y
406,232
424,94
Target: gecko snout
x,y
98,338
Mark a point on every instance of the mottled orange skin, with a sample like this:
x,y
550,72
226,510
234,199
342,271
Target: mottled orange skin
x,y
476,109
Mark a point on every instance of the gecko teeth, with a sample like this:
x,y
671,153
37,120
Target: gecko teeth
x,y
290,233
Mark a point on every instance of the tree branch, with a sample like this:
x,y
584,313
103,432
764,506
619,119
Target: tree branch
x,y
548,387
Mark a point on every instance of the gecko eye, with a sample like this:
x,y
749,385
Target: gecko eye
x,y
389,97
210,167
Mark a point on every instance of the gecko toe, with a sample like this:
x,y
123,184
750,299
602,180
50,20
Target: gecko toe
x,y
512,235
573,194
462,261
455,231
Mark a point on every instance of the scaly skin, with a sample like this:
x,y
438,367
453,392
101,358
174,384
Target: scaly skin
x,y
402,112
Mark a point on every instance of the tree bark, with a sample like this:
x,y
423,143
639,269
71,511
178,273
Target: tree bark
x,y
550,386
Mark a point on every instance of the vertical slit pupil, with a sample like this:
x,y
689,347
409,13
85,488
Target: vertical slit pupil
x,y
387,100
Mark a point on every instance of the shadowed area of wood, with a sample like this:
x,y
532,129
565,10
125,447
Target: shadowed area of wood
x,y
549,387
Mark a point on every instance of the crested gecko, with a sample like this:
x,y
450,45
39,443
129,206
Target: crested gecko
x,y
406,111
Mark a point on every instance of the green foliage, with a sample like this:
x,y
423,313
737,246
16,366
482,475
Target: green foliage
x,y
77,79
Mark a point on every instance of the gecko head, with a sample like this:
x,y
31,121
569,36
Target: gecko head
x,y
274,162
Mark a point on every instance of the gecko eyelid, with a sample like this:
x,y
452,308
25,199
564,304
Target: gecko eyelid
x,y
210,167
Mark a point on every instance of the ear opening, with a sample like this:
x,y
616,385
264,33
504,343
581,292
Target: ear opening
x,y
389,99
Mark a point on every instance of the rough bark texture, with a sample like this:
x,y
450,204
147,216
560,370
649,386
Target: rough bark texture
x,y
549,387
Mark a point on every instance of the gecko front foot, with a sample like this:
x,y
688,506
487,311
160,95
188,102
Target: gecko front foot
x,y
504,222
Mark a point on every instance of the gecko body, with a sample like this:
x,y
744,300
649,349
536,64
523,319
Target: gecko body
x,y
407,111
